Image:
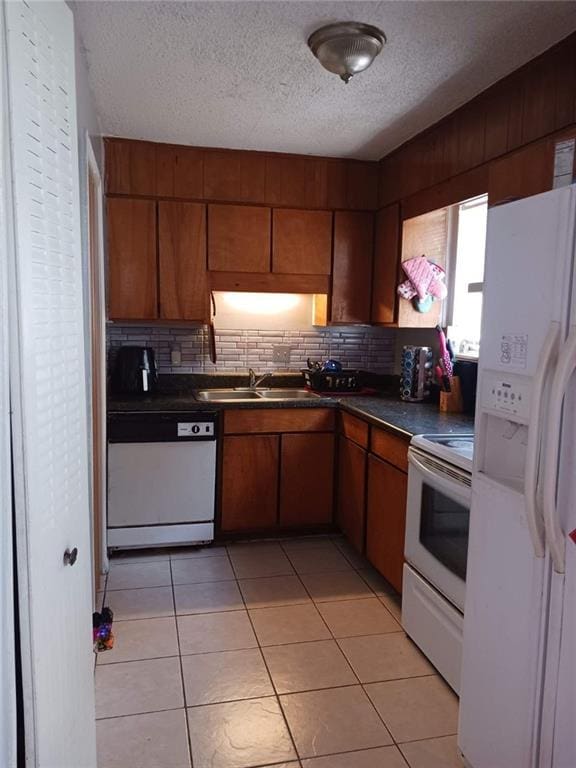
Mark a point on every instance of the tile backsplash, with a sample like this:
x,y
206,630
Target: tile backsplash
x,y
371,349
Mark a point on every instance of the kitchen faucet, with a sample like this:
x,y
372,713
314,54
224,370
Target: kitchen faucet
x,y
254,380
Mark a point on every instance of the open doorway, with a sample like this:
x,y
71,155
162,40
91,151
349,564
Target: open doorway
x,y
97,352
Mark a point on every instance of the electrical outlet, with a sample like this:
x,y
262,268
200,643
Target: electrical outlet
x,y
176,356
281,353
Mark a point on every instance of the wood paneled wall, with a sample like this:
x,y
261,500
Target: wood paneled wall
x,y
147,169
533,102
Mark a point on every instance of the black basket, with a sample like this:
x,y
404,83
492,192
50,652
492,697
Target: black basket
x,y
347,380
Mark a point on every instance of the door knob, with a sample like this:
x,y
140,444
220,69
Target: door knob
x,y
70,556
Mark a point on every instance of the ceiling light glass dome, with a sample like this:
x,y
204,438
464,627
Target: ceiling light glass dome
x,y
346,48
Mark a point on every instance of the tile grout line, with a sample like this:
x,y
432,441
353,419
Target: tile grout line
x,y
276,694
335,639
356,569
189,739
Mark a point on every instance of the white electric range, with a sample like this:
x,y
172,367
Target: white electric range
x,y
436,547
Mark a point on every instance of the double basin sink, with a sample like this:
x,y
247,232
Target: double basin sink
x,y
243,395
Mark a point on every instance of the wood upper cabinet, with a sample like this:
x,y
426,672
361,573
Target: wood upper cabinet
x,y
235,175
306,479
351,511
296,180
132,259
182,261
249,480
130,167
520,174
386,262
386,519
179,171
352,267
301,242
238,238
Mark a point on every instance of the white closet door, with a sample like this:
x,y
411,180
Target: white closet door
x,y
7,660
48,389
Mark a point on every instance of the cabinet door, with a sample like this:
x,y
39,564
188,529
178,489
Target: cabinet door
x,y
132,259
352,268
521,174
250,482
306,479
182,261
130,167
352,492
386,519
238,238
236,176
301,242
386,258
179,171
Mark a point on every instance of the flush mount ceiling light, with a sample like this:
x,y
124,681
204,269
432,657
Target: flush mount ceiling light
x,y
347,47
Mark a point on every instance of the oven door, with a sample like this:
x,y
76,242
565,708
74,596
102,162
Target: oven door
x,y
437,522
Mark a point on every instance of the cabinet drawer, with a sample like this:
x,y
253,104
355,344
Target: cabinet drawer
x,y
354,429
390,447
258,421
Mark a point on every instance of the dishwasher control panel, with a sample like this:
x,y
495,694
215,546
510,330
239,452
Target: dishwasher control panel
x,y
162,426
195,429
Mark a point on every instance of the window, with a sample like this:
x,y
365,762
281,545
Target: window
x,y
466,275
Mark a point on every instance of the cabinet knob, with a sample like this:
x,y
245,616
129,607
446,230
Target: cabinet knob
x,y
70,556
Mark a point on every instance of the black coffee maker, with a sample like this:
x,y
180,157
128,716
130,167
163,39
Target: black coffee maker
x,y
134,372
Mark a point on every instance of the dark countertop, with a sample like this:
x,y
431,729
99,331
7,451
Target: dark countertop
x,y
407,419
388,412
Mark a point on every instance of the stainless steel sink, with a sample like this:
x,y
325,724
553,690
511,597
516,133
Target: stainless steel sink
x,y
288,394
249,395
225,396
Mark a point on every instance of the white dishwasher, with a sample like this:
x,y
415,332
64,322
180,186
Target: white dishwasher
x,y
161,478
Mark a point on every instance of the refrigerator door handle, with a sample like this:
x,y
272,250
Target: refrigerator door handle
x,y
554,533
534,515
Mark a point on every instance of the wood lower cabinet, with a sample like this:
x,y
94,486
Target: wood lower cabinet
x,y
250,482
351,509
277,469
238,238
182,274
132,259
352,267
386,519
306,479
301,242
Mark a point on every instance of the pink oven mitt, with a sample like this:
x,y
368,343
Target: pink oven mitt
x,y
425,278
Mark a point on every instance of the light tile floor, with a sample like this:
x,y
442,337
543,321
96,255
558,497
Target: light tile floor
x,y
265,655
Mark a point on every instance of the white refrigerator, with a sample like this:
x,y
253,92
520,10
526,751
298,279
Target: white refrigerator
x,y
518,694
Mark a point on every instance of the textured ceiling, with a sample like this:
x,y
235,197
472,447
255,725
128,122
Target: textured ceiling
x,y
239,74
